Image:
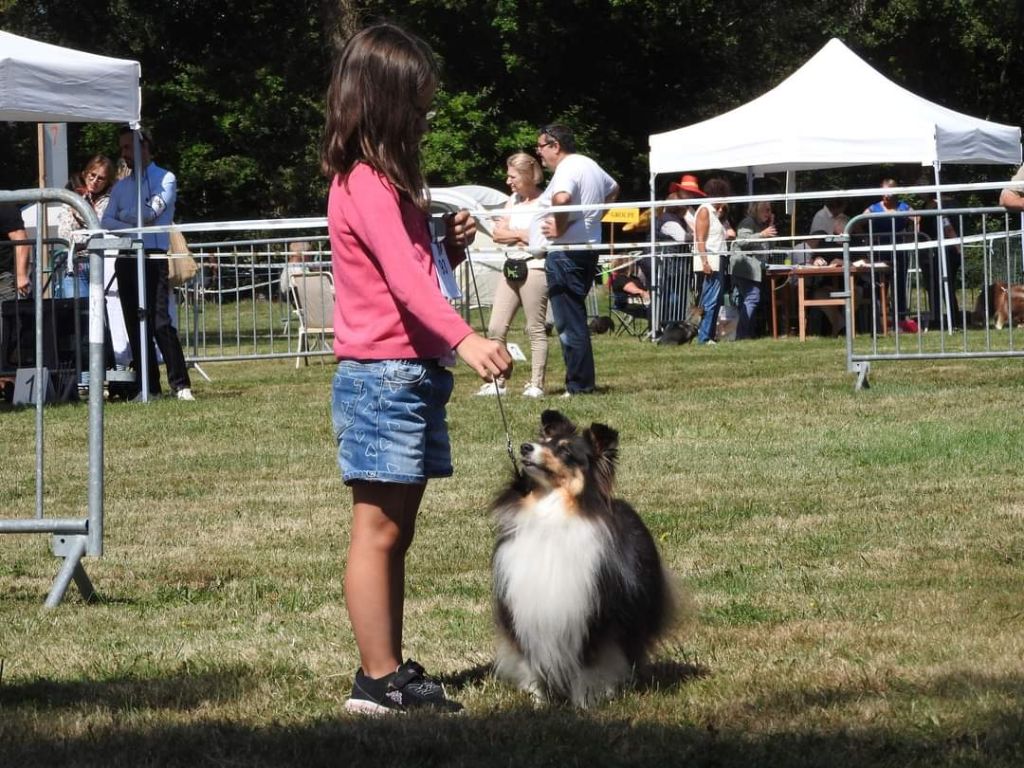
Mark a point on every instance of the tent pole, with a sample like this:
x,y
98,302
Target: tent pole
x,y
791,204
940,251
142,369
653,287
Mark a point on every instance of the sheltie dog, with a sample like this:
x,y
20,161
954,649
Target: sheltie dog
x,y
580,592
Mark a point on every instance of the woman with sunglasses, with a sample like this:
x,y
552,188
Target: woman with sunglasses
x,y
94,185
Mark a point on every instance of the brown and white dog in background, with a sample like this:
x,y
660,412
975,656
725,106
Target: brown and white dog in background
x,y
1003,302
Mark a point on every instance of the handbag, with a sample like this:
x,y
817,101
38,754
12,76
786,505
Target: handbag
x,y
514,270
181,267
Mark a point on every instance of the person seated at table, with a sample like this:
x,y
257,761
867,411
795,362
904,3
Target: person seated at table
x,y
834,255
804,255
839,224
824,219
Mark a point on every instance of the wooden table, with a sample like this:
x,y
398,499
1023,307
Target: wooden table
x,y
780,275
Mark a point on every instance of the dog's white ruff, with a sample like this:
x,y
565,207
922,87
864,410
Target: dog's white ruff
x,y
546,573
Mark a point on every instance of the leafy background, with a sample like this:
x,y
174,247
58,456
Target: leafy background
x,y
234,90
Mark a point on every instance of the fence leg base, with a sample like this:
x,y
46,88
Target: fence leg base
x,y
862,369
195,367
71,569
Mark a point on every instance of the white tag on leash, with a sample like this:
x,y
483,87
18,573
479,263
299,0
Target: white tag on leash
x,y
445,276
515,351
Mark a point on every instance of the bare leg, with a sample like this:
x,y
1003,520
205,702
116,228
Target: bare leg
x,y
383,524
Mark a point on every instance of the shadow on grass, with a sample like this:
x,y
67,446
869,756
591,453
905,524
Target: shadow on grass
x,y
660,675
510,736
183,691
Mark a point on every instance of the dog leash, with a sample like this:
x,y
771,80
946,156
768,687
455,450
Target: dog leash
x,y
497,389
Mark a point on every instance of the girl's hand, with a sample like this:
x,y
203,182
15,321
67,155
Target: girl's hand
x,y
487,357
461,230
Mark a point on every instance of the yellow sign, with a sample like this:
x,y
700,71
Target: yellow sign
x,y
622,216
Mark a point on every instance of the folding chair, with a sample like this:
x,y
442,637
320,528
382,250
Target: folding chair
x,y
313,294
630,314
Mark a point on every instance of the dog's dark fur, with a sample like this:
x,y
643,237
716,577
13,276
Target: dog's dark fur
x,y
1003,302
580,592
678,333
601,324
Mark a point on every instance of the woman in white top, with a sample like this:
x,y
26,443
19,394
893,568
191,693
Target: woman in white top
x,y
530,291
709,245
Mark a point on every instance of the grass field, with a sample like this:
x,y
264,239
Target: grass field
x,y
854,561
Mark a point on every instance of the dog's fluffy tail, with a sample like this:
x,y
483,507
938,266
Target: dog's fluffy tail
x,y
680,608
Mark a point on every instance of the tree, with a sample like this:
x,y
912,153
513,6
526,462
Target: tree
x,y
235,89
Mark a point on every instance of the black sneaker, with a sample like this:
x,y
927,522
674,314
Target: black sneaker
x,y
406,689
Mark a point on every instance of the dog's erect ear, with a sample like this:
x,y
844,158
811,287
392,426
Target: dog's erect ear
x,y
605,444
554,424
605,441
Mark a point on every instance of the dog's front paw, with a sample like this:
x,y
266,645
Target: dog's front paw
x,y
538,695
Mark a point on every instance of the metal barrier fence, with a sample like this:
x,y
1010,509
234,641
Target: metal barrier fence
x,y
958,295
73,536
241,305
244,304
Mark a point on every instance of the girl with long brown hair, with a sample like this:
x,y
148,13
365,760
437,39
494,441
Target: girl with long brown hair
x,y
394,334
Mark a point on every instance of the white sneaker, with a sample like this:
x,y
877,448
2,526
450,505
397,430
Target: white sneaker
x,y
533,391
185,394
489,389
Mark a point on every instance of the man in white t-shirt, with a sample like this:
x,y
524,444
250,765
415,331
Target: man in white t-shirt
x,y
825,219
577,180
1013,199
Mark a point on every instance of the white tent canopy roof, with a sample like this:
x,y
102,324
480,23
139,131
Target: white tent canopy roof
x,y
45,83
808,122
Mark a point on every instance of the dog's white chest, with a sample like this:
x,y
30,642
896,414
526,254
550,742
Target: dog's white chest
x,y
546,574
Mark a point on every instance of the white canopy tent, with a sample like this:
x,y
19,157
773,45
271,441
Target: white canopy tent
x,y
43,83
805,123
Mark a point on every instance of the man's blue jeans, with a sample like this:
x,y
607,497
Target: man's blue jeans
x,y
570,277
710,299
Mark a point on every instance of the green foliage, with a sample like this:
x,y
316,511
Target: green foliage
x,y
234,88
463,138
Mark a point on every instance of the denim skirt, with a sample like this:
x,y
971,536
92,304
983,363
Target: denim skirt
x,y
390,421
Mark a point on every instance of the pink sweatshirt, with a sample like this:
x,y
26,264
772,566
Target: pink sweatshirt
x,y
388,304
